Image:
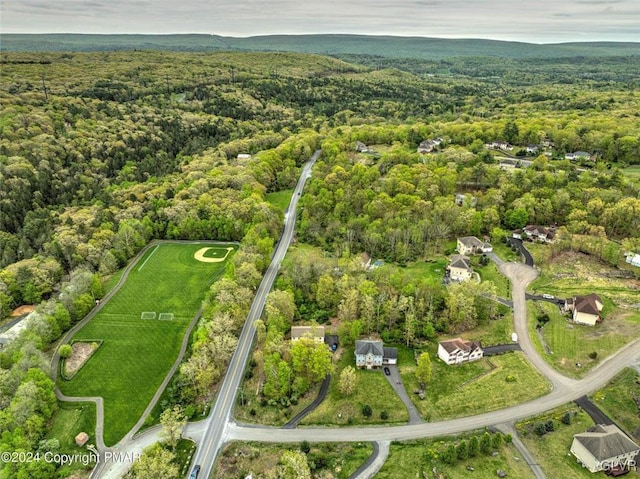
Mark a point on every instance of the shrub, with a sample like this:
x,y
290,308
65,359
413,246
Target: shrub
x,y
305,447
497,440
367,411
549,426
593,354
540,429
384,415
566,418
474,446
462,450
65,351
252,412
510,378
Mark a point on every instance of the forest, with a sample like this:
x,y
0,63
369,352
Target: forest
x,y
102,152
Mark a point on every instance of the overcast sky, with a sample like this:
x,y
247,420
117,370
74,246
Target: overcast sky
x,y
540,21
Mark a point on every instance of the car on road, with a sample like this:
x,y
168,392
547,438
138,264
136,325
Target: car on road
x,y
548,296
387,371
195,471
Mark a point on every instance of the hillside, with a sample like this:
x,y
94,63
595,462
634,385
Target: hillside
x,y
387,46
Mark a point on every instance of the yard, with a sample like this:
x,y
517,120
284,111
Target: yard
x,y
570,347
167,285
617,400
491,273
552,449
421,274
337,460
410,459
493,383
372,389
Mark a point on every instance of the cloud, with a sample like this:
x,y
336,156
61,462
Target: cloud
x,y
540,21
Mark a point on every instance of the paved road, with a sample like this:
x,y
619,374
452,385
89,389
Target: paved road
x,y
522,449
218,422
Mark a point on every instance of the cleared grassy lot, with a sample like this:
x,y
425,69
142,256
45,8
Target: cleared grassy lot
x,y
372,389
137,353
280,199
617,401
410,459
552,450
570,347
336,460
493,383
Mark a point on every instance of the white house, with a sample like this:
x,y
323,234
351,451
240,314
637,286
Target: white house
x,y
539,233
458,350
604,448
633,259
585,309
460,268
578,155
472,245
314,332
499,145
369,354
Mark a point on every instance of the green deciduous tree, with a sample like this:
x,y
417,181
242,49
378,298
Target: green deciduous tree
x,y
423,370
348,381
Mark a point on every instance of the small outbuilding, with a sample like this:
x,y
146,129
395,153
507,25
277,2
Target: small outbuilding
x,y
82,438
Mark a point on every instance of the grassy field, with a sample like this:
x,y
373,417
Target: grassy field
x,y
339,460
571,344
421,274
616,400
552,449
71,419
408,460
137,353
491,273
504,252
372,389
485,380
280,199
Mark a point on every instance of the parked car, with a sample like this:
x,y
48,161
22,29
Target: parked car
x,y
387,371
195,471
548,296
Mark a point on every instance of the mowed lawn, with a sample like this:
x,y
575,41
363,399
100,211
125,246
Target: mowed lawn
x,y
136,353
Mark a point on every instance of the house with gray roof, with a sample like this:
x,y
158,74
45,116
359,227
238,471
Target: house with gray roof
x,y
604,448
369,353
460,268
472,245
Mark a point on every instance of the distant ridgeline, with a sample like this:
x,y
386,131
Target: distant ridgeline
x,y
385,46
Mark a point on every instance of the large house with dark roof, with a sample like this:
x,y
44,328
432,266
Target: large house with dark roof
x,y
471,245
369,354
604,448
458,350
585,309
460,268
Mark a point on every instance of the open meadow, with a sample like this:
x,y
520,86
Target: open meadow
x,y
166,288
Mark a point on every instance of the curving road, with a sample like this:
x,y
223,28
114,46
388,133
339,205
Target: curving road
x,y
218,423
220,428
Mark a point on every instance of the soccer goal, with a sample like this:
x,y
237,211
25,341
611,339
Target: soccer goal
x,y
148,315
165,316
